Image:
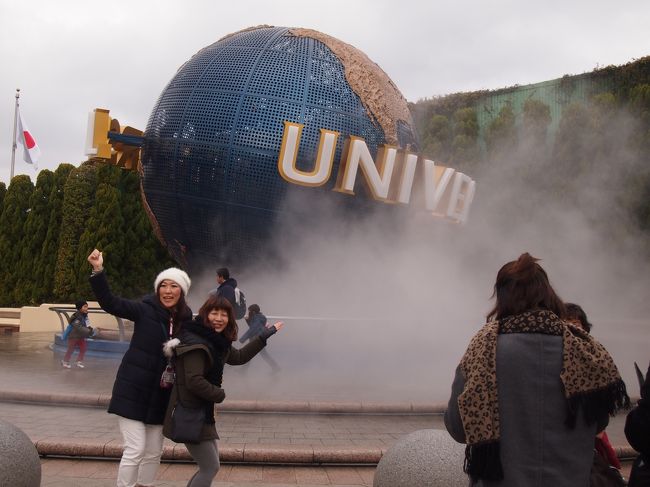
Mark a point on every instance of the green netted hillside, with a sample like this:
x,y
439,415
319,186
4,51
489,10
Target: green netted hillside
x,y
556,134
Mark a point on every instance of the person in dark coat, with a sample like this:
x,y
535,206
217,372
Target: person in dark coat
x,y
256,322
81,330
637,432
226,286
200,352
531,390
138,399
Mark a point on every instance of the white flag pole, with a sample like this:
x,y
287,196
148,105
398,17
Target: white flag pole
x,y
13,145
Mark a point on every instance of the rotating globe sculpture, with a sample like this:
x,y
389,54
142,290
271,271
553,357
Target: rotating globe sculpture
x,y
210,152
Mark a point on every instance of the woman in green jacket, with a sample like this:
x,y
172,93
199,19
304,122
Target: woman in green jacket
x,y
199,354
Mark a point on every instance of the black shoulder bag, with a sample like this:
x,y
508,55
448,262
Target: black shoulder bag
x,y
186,422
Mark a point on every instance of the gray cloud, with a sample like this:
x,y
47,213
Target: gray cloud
x,y
73,56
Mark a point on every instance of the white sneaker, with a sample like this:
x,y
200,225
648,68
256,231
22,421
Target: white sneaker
x,y
80,365
66,365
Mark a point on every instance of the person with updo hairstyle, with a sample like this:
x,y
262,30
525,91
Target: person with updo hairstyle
x,y
531,392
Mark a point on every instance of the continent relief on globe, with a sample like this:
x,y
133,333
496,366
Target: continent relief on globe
x,y
260,112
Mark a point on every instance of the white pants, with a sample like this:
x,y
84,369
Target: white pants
x,y
142,451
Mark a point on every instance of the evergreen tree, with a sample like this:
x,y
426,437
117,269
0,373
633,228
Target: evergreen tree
x,y
3,191
638,180
536,117
103,230
12,230
437,138
501,134
573,148
640,109
532,150
36,226
45,260
465,153
78,200
145,255
608,133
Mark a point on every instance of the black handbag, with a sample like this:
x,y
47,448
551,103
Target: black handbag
x,y
187,424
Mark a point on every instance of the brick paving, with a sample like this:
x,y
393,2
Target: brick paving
x,y
323,449
100,473
42,422
26,365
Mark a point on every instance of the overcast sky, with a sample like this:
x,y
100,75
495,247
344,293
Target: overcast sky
x,y
71,56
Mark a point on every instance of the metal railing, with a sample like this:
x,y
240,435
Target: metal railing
x,y
65,312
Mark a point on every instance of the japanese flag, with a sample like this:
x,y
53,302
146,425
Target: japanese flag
x,y
25,137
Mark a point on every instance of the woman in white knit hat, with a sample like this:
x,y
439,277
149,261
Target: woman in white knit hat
x,y
139,398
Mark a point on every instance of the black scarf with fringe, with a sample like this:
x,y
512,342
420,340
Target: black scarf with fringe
x,y
195,332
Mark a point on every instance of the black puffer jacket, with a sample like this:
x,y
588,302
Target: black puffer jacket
x,y
227,290
136,392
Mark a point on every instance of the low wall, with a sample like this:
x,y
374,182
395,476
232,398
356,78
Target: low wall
x,y
42,318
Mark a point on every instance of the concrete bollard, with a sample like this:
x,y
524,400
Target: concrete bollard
x,y
20,465
424,458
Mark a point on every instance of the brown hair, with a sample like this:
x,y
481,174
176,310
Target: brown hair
x,y
575,312
523,285
216,303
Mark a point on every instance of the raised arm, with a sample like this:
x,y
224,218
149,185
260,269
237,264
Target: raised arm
x,y
247,352
114,305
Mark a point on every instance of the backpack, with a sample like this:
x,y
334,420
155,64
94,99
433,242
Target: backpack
x,y
240,304
66,332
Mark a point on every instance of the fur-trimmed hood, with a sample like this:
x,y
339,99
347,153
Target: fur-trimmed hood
x,y
169,346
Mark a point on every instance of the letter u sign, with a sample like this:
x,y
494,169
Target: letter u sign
x,y
289,153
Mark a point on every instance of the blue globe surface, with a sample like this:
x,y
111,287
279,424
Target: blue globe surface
x,y
211,145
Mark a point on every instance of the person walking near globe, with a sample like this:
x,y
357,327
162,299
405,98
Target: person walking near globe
x,y
257,325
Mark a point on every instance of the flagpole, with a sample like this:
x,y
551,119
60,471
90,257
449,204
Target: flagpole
x,y
13,145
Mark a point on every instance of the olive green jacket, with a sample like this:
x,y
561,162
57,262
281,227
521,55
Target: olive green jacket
x,y
192,363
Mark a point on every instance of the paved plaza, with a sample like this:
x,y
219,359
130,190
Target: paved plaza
x,y
326,440
98,473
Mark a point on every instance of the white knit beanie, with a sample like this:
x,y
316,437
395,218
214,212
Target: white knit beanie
x,y
179,276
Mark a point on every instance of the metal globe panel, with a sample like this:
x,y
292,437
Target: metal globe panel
x,y
213,137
